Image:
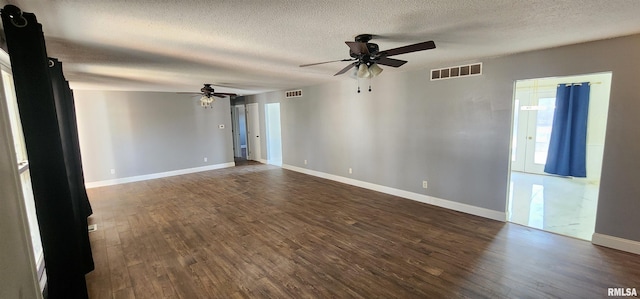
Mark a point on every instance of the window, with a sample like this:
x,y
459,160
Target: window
x,y
23,166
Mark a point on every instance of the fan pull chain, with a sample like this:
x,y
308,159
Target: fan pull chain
x,y
359,85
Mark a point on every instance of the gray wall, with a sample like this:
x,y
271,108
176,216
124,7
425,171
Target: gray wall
x,y
141,133
456,133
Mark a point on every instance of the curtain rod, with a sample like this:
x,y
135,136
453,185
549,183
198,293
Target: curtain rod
x,y
554,85
590,83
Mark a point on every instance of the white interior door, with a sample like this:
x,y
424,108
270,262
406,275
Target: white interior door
x,y
533,120
253,132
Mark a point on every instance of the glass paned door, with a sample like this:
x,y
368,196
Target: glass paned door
x,y
532,128
539,135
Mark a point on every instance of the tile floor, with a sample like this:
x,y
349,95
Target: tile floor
x,y
561,205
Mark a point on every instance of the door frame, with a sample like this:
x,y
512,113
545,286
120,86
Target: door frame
x,y
253,132
238,128
274,134
527,106
598,109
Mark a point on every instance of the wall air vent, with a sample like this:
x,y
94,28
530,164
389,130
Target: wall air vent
x,y
457,71
293,93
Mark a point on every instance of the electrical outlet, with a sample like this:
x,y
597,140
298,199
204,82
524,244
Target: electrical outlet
x,y
305,162
205,159
113,171
424,184
350,171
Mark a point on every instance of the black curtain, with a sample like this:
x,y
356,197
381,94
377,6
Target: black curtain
x,y
48,121
66,113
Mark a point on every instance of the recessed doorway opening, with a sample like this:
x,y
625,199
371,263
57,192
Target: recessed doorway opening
x,y
239,124
540,196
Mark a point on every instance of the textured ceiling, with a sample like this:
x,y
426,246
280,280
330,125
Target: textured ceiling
x,y
253,46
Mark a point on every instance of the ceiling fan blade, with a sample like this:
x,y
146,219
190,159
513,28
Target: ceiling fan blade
x,y
391,62
410,48
358,47
310,64
188,92
224,94
344,70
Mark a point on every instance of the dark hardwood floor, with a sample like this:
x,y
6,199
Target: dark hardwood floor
x,y
257,231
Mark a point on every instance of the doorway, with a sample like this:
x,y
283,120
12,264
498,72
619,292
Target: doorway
x,y
563,205
274,138
253,132
239,132
533,119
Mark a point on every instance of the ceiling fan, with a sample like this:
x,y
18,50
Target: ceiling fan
x,y
208,94
367,56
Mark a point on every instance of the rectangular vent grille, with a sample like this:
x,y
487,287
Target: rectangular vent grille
x,y
293,93
457,71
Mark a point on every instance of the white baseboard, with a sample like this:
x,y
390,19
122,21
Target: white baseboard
x,y
452,205
157,175
616,243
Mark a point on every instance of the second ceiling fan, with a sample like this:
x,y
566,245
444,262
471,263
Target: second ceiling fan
x,y
367,56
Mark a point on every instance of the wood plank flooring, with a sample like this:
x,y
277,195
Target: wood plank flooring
x,y
258,231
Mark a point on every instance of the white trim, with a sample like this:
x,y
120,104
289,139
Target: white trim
x,y
42,274
43,281
274,163
5,60
23,166
616,243
157,175
452,205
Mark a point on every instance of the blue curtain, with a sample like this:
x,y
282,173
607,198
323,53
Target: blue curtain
x,y
568,145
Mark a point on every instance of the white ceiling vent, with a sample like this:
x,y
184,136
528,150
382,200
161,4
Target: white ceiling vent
x,y
293,93
457,71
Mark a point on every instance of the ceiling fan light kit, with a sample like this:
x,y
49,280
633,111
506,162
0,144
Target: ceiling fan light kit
x,y
375,70
207,102
208,94
367,56
363,71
